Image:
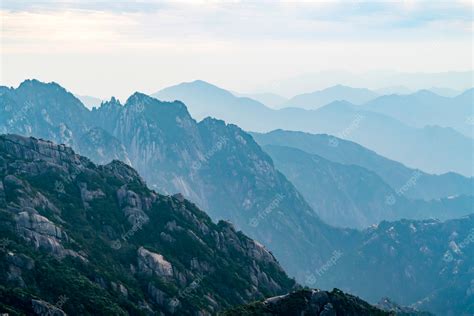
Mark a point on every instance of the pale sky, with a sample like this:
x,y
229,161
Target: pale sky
x,y
104,48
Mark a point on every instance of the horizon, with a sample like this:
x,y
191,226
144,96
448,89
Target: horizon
x,y
123,98
242,46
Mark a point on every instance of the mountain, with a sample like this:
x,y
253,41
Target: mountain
x,y
319,98
89,102
393,173
425,108
3,89
223,170
96,240
457,80
352,196
432,149
271,100
393,90
423,264
47,111
388,305
309,302
214,164
210,100
445,92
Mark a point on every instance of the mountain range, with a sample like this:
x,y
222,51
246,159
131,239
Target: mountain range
x,y
224,171
432,148
317,99
352,196
395,174
425,108
115,247
97,234
217,166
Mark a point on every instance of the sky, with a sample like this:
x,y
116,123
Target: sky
x,y
104,48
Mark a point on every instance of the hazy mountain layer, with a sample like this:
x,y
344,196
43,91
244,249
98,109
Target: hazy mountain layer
x,y
352,196
316,99
425,186
432,149
425,108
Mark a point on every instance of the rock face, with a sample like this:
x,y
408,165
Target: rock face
x,y
94,234
150,262
387,305
44,308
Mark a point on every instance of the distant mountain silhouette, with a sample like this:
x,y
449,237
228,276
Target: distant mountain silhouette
x,y
351,196
316,99
425,108
432,149
393,173
271,100
89,102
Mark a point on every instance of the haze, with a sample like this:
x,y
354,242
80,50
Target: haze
x,y
114,48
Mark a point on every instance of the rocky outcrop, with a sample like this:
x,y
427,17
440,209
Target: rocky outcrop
x,y
150,262
44,308
310,302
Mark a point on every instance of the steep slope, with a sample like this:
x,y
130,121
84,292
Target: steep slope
x,y
206,99
425,108
352,196
218,166
425,264
316,99
393,173
44,110
432,149
222,169
98,238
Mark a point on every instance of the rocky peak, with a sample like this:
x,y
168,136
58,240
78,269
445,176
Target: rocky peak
x,y
30,148
34,88
113,103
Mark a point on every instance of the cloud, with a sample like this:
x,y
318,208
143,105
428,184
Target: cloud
x,y
252,41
